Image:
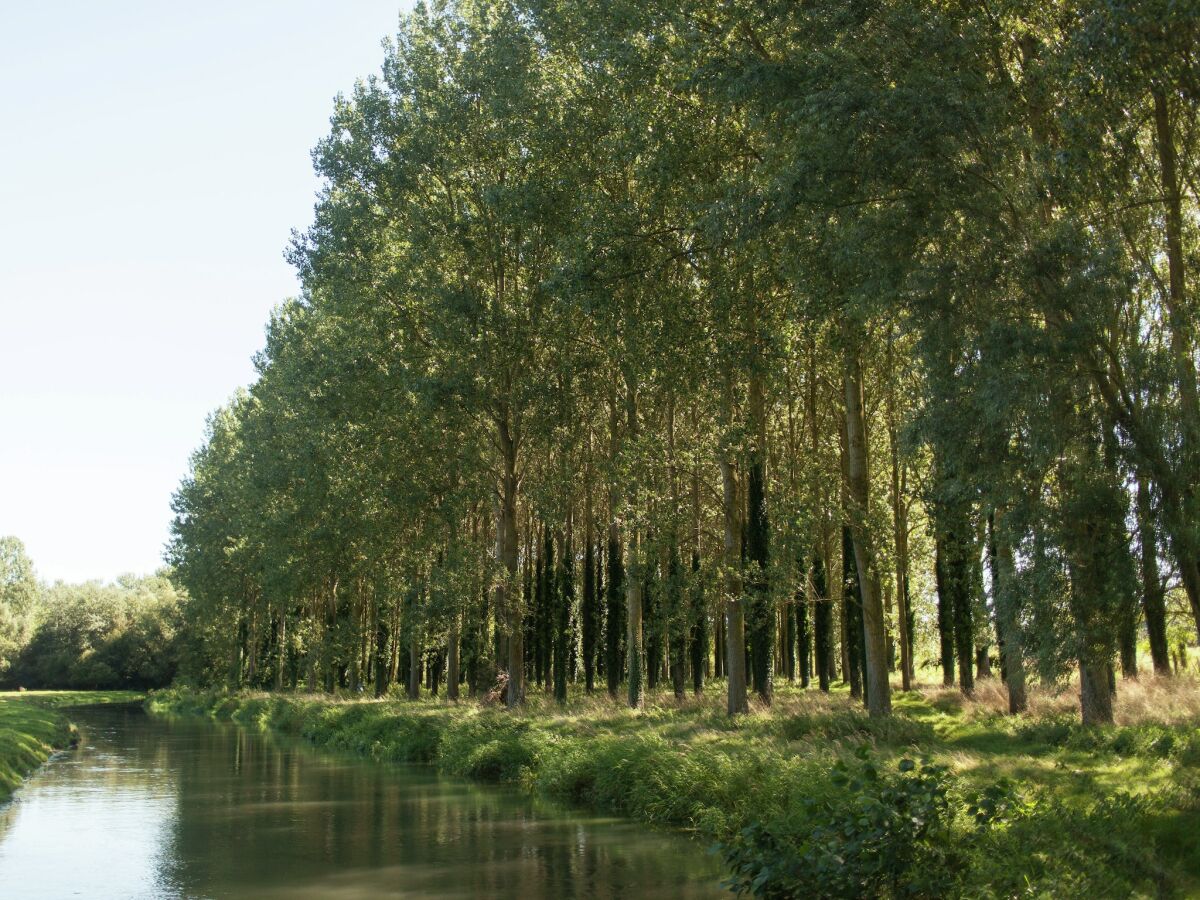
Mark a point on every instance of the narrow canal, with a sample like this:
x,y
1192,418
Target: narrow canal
x,y
149,807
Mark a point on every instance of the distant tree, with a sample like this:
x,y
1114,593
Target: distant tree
x,y
18,601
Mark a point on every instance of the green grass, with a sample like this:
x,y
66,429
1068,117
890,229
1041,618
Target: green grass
x,y
33,726
1101,811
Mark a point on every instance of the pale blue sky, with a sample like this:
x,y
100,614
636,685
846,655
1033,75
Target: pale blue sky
x,y
154,157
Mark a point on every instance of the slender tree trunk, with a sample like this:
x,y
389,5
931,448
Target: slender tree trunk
x,y
282,639
634,649
699,613
1008,625
735,627
762,613
588,612
964,635
900,537
789,643
381,657
452,661
878,689
507,598
414,666
1153,595
719,642
615,588
851,617
954,528
564,596
803,640
822,622
677,643
945,609
633,623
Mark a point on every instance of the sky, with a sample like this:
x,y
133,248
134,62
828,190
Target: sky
x,y
154,159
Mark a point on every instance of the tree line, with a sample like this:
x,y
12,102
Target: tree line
x,y
126,634
671,342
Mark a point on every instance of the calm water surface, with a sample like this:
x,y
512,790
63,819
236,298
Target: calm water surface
x,y
149,807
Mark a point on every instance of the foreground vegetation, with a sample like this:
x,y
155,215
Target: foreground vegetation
x,y
948,797
32,726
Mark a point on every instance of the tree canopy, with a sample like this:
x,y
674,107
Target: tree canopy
x,y
670,342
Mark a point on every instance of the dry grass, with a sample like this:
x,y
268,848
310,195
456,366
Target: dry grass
x,y
1170,701
1147,699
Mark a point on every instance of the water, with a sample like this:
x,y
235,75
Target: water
x,y
149,807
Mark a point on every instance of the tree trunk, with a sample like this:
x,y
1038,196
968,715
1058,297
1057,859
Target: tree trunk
x,y
762,613
983,662
677,645
1008,625
588,612
822,621
452,673
945,609
735,626
1153,595
615,588
899,532
282,640
381,654
879,696
1095,698
789,643
563,597
851,617
414,666
633,622
507,598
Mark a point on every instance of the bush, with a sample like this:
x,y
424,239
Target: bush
x,y
886,835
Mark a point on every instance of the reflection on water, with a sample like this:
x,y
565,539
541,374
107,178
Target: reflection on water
x,y
153,808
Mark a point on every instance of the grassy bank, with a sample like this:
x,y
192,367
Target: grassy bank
x,y
948,797
33,725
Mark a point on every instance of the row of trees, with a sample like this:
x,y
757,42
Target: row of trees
x,y
126,634
743,340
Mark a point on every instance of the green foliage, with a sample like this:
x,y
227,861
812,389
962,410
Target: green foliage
x,y
18,600
97,636
884,834
919,831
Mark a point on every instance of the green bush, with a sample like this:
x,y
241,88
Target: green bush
x,y
917,833
882,835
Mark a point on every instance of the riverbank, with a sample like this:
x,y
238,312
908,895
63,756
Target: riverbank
x,y
33,726
949,795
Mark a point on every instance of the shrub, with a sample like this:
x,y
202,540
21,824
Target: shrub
x,y
882,835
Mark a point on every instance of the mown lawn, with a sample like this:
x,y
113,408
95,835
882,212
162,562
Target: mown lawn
x,y
33,724
1031,805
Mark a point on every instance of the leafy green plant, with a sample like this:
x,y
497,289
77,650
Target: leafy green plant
x,y
883,834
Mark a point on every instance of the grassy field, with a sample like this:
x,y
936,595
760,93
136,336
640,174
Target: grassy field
x,y
33,724
1033,805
